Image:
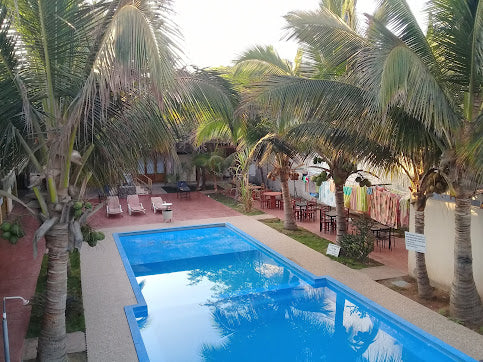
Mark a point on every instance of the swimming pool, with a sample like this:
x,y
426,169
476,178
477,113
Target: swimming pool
x,y
213,293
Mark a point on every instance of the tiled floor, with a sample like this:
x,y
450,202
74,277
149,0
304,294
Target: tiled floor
x,y
19,270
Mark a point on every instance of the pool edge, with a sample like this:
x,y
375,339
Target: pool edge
x,y
316,281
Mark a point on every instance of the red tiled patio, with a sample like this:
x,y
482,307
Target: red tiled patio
x,y
396,258
20,270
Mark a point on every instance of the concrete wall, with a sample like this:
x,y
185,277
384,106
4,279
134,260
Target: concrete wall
x,y
440,234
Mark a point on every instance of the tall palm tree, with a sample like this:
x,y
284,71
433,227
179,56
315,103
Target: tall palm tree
x,y
435,79
340,163
332,44
70,67
253,66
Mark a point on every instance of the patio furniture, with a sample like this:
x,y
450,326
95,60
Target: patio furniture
x,y
272,195
184,190
382,233
309,212
264,201
157,203
299,209
113,206
133,205
327,219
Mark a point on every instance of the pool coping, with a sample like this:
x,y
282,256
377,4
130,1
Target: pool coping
x,y
107,290
310,278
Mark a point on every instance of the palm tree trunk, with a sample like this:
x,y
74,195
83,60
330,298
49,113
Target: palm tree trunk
x,y
52,345
465,303
339,207
289,217
215,186
203,178
424,287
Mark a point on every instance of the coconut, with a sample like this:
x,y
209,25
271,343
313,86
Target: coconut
x,y
6,226
15,229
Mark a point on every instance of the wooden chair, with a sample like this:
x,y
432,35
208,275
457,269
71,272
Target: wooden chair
x,y
183,191
264,201
279,203
326,222
310,212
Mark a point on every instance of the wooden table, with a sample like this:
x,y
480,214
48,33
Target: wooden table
x,y
272,195
301,205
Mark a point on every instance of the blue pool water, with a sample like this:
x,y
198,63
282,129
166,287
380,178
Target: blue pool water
x,y
212,293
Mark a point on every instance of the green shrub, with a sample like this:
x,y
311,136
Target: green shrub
x,y
359,245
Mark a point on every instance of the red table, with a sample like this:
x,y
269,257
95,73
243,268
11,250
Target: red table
x,y
272,195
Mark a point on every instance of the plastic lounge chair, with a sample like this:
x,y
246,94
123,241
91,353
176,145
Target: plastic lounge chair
x,y
133,204
157,203
113,206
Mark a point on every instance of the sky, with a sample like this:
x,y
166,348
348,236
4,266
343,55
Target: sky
x,y
216,32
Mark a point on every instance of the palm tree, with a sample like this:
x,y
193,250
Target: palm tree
x,y
258,61
70,68
435,79
401,137
252,66
438,80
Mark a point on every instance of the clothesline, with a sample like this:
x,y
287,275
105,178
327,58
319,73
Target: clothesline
x,y
383,205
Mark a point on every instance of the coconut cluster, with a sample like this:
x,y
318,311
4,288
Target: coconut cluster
x,y
12,231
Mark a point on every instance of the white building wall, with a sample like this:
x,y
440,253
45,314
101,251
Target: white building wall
x,y
440,234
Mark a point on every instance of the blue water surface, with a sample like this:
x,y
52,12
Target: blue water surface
x,y
214,294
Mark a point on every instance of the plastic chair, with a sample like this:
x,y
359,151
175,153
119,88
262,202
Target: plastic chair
x,y
157,203
113,206
133,205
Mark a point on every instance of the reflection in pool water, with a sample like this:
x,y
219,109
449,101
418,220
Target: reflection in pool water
x,y
218,297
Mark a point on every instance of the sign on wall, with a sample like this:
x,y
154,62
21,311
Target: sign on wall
x,y
415,242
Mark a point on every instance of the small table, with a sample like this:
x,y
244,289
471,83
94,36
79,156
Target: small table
x,y
332,214
272,195
382,232
330,225
301,205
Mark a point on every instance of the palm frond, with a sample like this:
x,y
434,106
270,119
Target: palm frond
x,y
326,32
459,48
260,61
397,16
310,99
394,75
